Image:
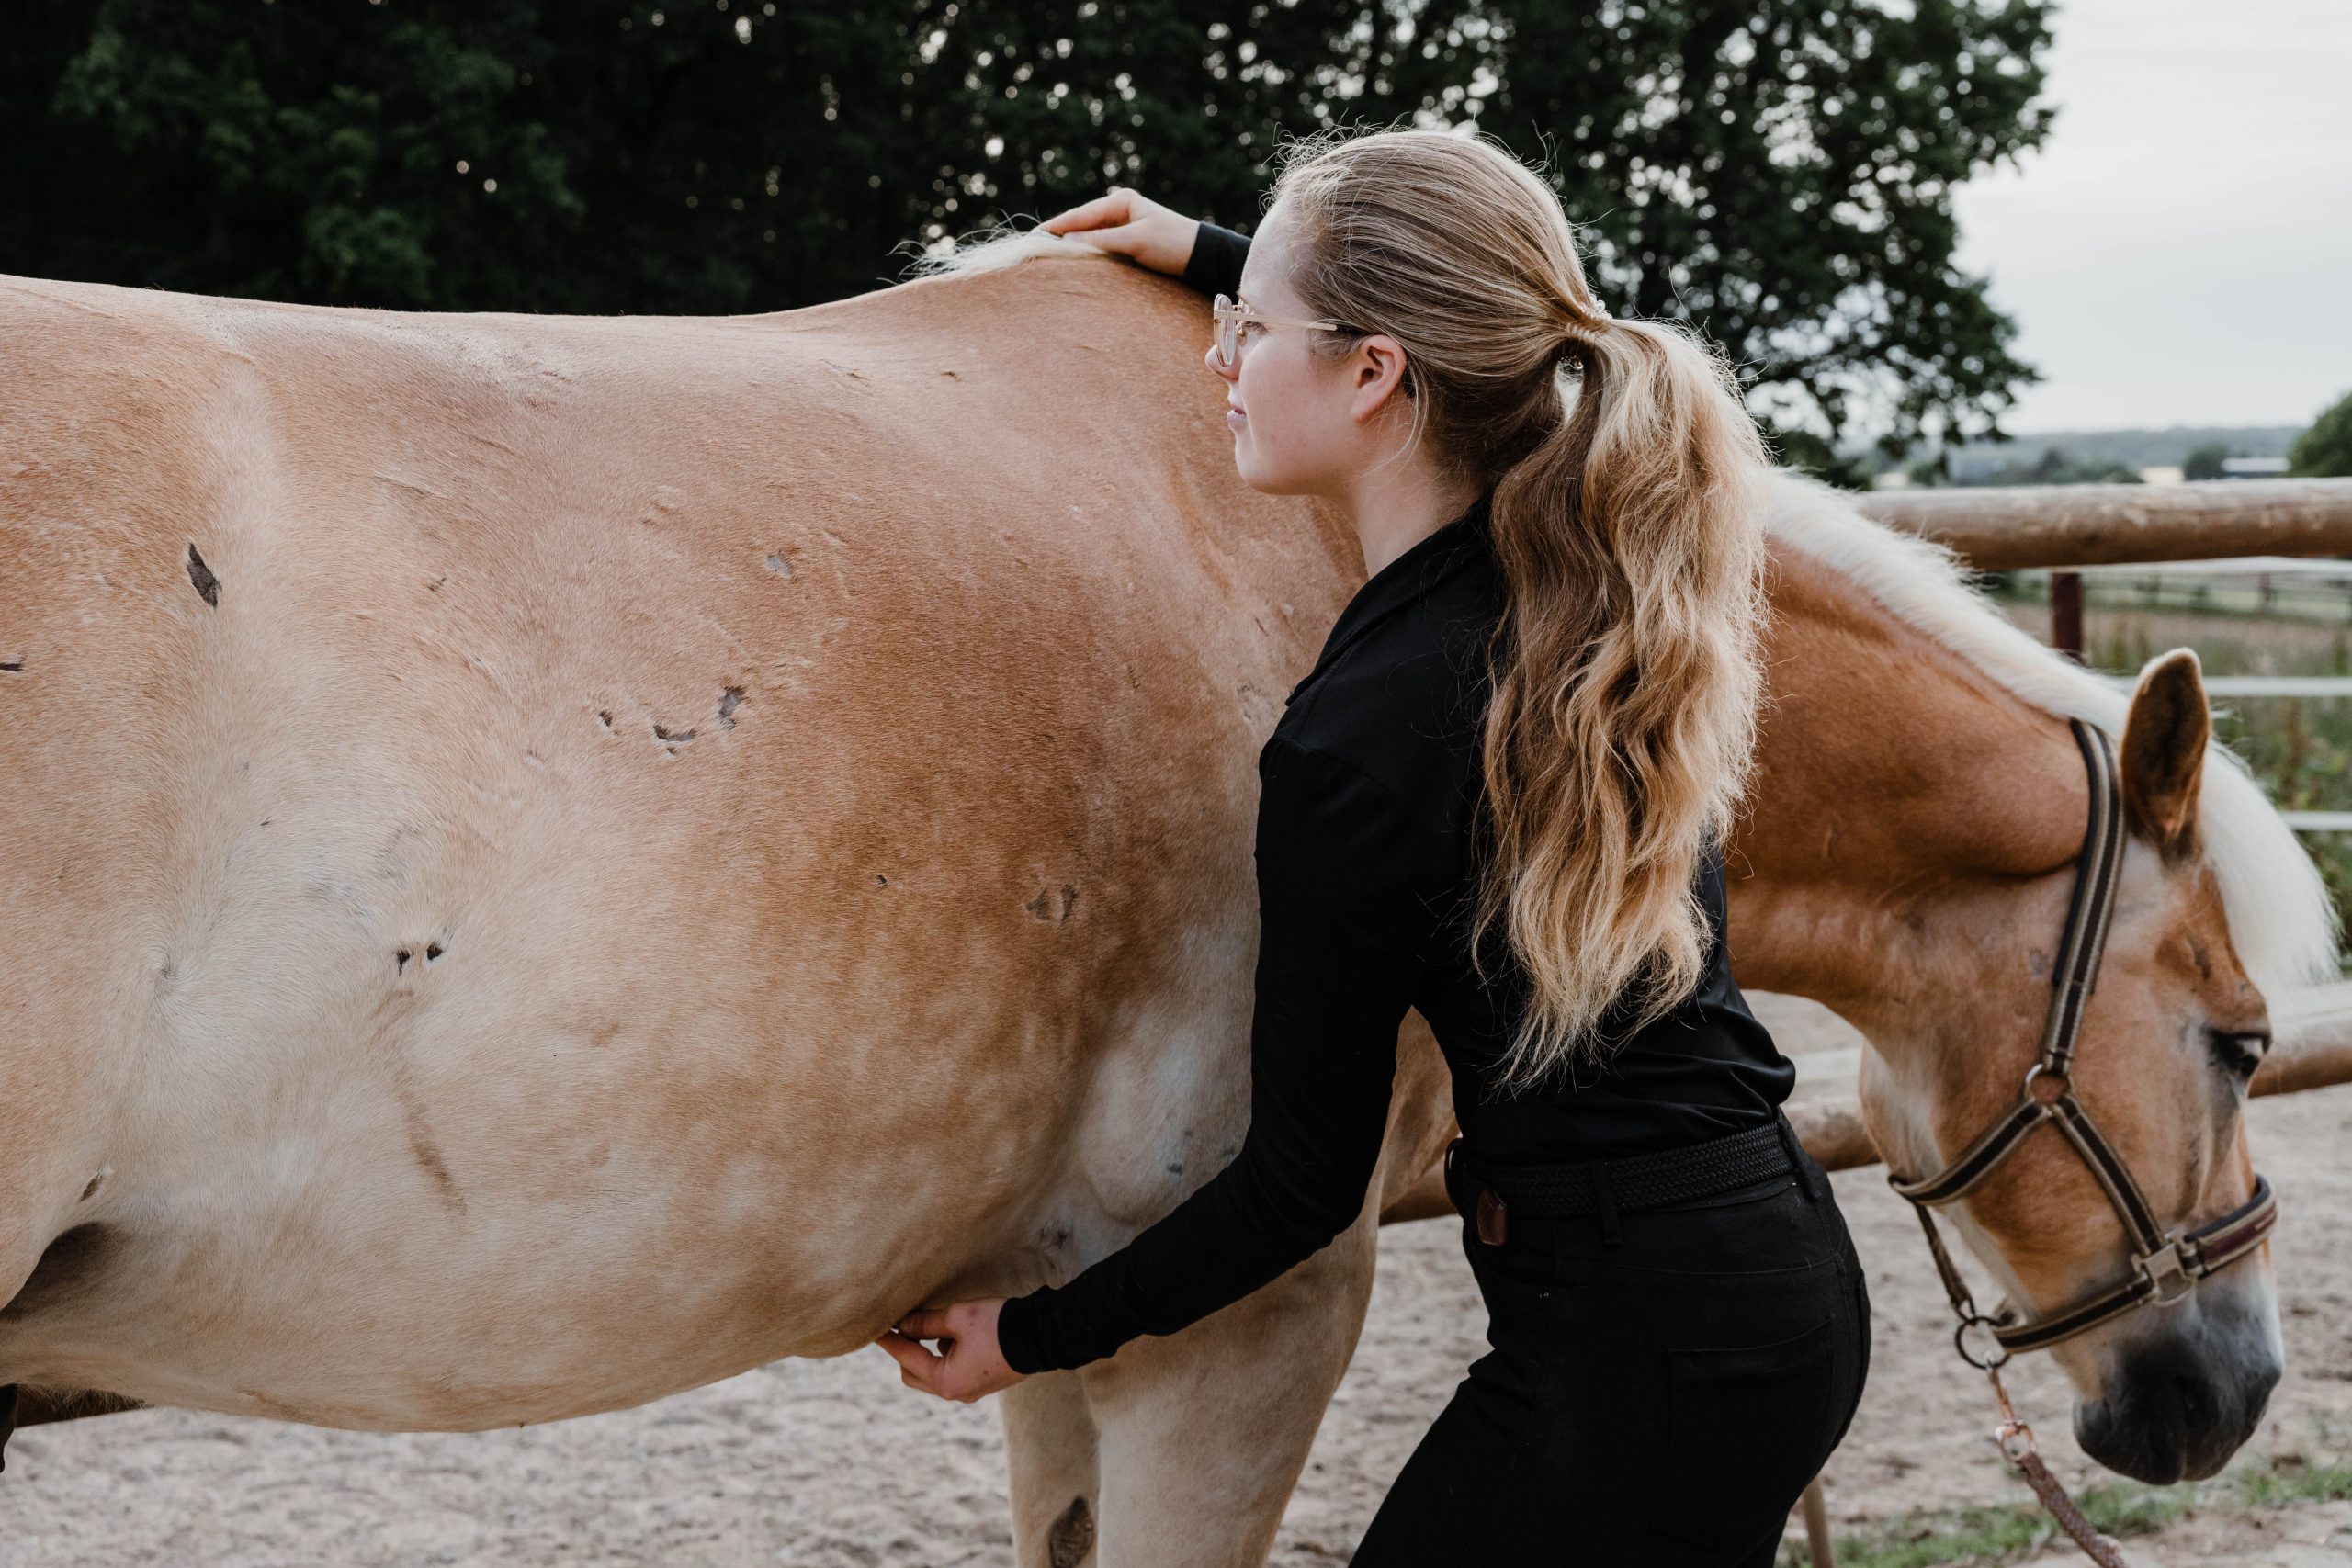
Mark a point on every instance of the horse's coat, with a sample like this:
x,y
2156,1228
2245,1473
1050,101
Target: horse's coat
x,y
559,859
552,859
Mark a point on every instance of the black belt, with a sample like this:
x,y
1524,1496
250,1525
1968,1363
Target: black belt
x,y
1491,1190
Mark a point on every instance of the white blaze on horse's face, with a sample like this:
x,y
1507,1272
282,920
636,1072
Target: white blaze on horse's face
x,y
2169,1038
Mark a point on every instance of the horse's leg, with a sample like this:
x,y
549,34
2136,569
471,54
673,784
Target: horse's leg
x,y
1204,1433
1050,1445
22,1406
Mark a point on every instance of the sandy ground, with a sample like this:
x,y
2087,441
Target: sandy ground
x,y
831,1464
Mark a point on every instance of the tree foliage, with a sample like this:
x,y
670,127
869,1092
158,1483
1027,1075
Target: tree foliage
x,y
2326,450
1780,172
2205,462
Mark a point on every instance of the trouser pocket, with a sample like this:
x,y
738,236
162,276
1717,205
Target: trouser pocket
x,y
1744,1430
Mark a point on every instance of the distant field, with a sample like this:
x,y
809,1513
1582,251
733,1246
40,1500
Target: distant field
x,y
2132,449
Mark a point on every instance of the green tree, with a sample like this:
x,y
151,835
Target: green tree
x,y
2324,449
1782,174
1779,172
2205,462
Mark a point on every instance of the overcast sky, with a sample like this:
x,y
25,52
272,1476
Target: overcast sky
x,y
2180,250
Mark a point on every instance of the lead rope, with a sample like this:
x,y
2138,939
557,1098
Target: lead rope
x,y
2014,1439
2013,1436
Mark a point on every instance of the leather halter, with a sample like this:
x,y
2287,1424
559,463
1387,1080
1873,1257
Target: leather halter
x,y
2164,1268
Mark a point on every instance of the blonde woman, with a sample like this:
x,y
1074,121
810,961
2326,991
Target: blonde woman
x,y
1500,798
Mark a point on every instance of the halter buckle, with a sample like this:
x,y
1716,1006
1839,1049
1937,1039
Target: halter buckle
x,y
2168,1273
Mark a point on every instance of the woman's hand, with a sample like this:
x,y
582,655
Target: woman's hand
x,y
971,1366
1128,224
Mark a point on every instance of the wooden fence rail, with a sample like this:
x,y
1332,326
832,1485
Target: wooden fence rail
x,y
2064,525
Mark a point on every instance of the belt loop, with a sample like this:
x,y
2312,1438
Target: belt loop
x,y
1611,1233
1796,1157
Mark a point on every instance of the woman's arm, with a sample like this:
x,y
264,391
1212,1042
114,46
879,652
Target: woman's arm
x,y
1338,949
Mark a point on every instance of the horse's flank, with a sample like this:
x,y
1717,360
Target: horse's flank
x,y
552,859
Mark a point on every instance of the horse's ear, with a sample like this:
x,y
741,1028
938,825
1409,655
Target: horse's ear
x,y
2163,752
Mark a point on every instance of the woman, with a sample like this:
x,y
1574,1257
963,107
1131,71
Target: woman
x,y
1500,798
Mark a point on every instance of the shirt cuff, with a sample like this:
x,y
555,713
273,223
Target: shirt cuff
x,y
1016,1337
1215,266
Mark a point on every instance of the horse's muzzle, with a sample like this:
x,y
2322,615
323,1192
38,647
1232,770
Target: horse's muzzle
x,y
2176,1405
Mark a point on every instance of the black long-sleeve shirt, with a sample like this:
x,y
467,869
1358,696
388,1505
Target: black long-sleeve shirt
x,y
1371,789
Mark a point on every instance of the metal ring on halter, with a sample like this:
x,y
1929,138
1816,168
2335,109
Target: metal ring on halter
x,y
2042,1070
1992,1327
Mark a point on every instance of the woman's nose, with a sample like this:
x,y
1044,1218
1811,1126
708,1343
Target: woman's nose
x,y
1210,358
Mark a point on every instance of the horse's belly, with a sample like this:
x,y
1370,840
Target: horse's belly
x,y
438,1130
487,1221
480,1092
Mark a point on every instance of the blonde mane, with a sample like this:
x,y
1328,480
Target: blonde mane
x,y
999,247
2281,920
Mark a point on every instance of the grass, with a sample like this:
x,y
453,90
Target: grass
x,y
2004,1532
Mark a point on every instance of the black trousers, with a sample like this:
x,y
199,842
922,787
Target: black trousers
x,y
1659,1392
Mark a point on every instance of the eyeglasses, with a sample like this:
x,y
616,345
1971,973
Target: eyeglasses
x,y
1232,316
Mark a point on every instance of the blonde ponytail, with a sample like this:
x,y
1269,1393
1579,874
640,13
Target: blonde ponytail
x,y
1620,736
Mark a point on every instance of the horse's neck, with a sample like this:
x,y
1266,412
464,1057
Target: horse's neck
x,y
1906,820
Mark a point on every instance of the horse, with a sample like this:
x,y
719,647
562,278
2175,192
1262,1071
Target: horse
x,y
557,860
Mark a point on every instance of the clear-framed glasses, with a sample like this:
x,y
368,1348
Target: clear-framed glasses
x,y
1232,316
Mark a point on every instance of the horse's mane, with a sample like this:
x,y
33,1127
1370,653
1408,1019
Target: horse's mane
x,y
986,249
2281,920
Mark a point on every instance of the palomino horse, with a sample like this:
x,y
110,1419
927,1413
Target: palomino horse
x,y
551,861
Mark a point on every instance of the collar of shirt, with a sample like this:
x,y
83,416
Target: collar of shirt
x,y
1426,562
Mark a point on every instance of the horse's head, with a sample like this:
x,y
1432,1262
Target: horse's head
x,y
2167,1042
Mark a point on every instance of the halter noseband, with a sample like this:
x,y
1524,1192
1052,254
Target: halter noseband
x,y
2164,1268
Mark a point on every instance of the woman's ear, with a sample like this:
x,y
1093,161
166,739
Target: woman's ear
x,y
1380,369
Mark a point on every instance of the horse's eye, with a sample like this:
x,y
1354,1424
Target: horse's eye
x,y
2239,1052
